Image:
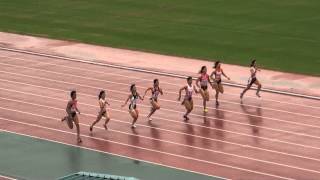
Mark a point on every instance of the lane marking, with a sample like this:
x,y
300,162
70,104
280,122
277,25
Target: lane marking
x,y
163,82
201,116
108,153
6,177
146,149
243,134
146,71
176,132
214,151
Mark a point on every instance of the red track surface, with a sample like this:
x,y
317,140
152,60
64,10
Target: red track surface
x,y
5,178
276,137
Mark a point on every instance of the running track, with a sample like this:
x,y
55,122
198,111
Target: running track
x,y
275,137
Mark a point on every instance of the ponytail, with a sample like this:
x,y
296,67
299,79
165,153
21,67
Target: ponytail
x,y
253,62
216,64
132,86
202,69
101,93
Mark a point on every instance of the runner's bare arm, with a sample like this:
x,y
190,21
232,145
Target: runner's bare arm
x,y
251,71
140,97
225,75
197,82
68,108
126,101
213,73
102,105
212,78
183,88
195,89
149,89
161,92
77,110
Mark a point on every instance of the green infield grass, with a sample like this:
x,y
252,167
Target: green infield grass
x,y
282,34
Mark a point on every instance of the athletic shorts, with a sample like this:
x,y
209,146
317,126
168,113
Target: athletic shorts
x,y
188,98
154,99
253,80
73,114
104,113
204,88
132,108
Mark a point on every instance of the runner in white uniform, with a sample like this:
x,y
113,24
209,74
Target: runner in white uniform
x,y
188,101
253,79
103,110
155,91
133,110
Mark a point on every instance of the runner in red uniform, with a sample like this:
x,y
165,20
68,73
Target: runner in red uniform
x,y
204,80
72,116
218,73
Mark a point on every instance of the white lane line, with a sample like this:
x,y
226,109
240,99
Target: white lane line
x,y
176,132
146,149
201,116
170,142
124,84
212,128
175,84
166,141
136,69
109,153
6,177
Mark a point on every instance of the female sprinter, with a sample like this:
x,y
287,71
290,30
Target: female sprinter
x,y
218,72
155,91
103,110
72,116
204,80
187,101
133,97
253,79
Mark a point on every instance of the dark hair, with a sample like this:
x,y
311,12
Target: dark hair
x,y
216,64
131,87
253,62
189,78
202,68
155,80
72,93
100,94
